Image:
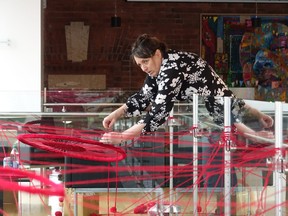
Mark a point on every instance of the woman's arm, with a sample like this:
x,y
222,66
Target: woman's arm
x,y
135,105
265,120
117,137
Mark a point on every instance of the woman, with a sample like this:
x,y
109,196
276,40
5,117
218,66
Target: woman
x,y
174,75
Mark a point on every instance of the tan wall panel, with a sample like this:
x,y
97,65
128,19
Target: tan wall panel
x,y
77,81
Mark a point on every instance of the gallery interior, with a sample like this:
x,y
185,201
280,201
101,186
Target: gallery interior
x,y
66,65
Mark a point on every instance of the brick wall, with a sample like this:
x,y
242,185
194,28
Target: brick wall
x,y
109,48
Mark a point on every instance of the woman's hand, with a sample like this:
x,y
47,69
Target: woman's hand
x,y
261,137
110,120
266,120
114,138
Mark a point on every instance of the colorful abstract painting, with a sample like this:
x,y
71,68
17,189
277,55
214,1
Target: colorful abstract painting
x,y
256,50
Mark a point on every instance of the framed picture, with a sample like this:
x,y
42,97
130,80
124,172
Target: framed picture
x,y
248,51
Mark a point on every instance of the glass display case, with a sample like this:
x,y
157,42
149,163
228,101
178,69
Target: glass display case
x,y
191,165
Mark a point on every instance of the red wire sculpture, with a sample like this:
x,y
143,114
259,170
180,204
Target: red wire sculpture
x,y
74,147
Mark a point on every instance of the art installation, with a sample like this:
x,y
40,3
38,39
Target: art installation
x,y
156,174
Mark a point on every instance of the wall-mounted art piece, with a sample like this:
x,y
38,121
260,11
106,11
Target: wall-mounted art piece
x,y
248,51
77,36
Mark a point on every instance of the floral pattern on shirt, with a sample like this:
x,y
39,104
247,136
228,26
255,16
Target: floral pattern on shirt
x,y
181,75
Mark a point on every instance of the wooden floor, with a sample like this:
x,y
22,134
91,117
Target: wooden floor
x,y
35,205
29,205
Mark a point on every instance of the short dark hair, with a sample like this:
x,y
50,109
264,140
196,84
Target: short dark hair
x,y
145,46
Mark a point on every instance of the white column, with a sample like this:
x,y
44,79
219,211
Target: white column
x,y
20,55
195,155
279,159
227,156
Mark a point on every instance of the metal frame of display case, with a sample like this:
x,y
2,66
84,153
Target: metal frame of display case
x,y
279,157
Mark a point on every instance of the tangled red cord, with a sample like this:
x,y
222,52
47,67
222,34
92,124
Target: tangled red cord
x,y
7,174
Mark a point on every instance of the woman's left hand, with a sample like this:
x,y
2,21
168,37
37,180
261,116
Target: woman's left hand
x,y
266,121
113,138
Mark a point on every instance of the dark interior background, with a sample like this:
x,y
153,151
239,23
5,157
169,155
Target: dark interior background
x,y
109,47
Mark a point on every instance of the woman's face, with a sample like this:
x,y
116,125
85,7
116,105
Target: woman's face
x,y
151,65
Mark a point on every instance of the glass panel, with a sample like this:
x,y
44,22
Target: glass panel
x,y
252,186
160,166
255,188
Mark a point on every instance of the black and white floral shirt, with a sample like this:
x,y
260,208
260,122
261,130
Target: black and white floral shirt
x,y
181,75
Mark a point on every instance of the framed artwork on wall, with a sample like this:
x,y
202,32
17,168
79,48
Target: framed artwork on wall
x,y
248,51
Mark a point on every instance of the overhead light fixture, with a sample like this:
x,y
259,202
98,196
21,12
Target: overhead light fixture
x,y
256,21
115,20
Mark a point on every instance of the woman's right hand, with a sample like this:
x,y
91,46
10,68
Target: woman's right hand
x,y
109,121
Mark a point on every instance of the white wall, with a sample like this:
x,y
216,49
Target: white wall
x,y
20,62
